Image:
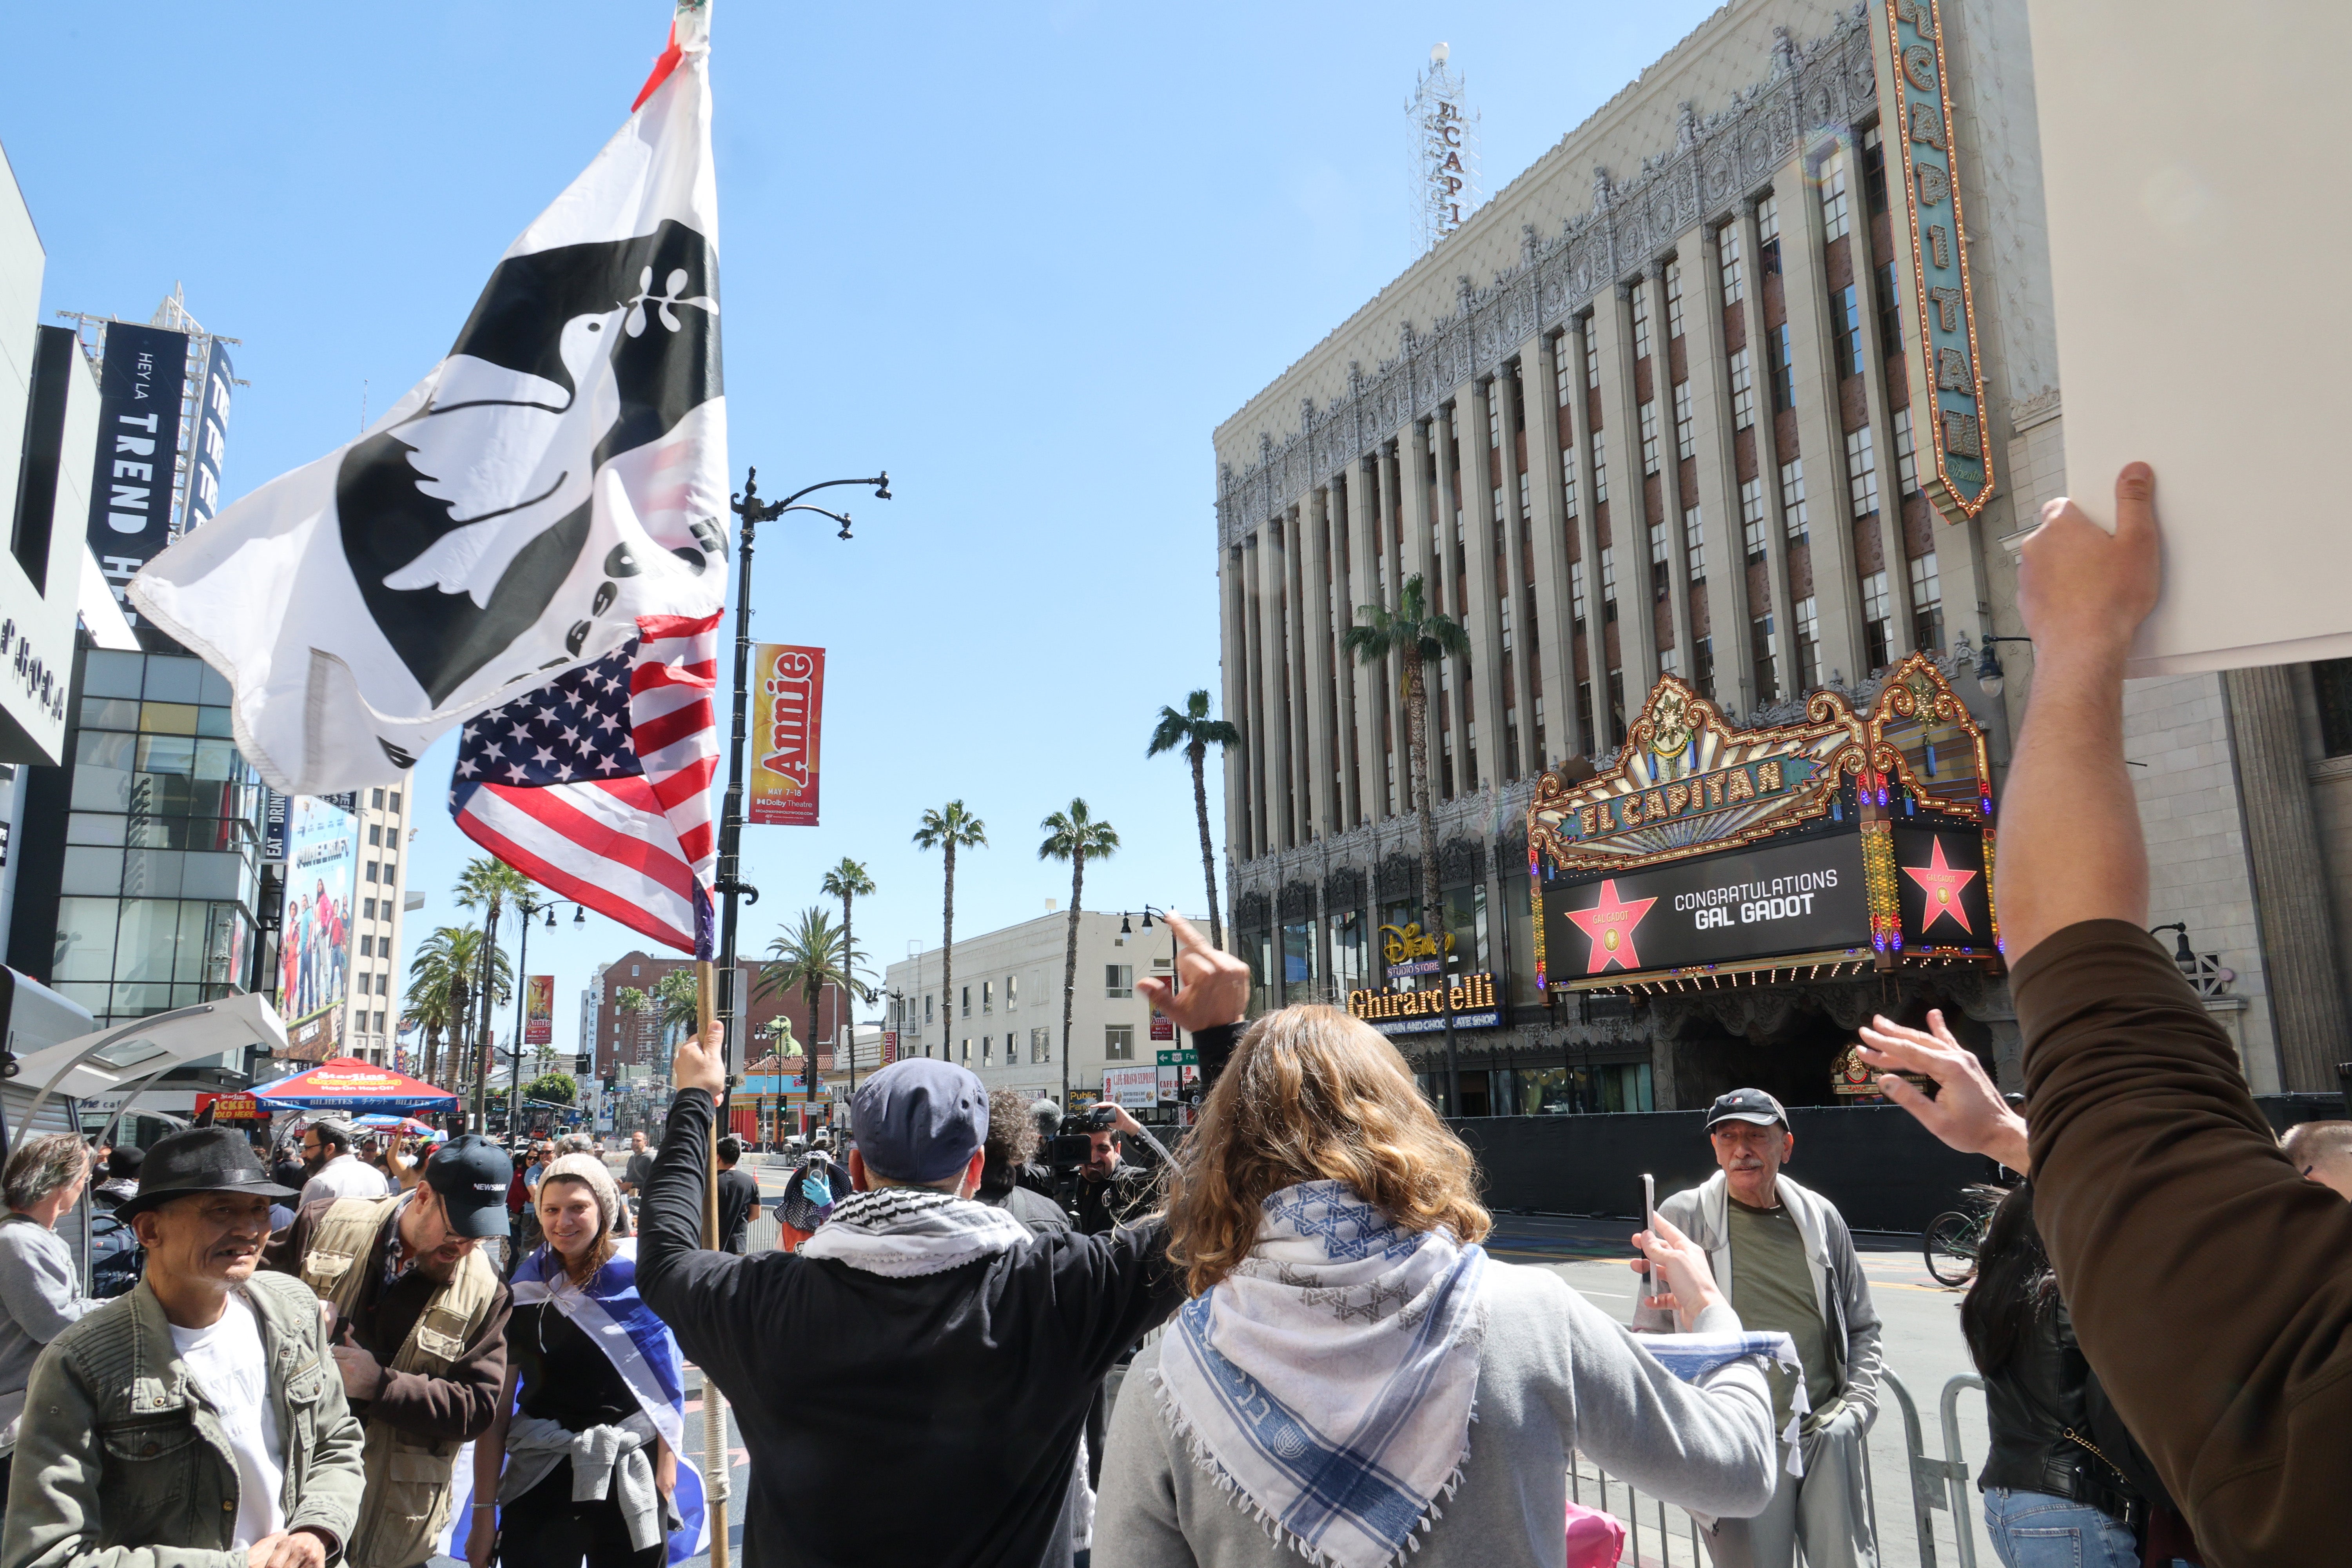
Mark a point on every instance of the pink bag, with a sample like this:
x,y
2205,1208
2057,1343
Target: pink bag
x,y
1595,1540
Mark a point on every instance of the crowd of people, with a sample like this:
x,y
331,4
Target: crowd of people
x,y
946,1365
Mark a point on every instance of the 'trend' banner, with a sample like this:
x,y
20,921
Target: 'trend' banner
x,y
538,1010
787,712
138,453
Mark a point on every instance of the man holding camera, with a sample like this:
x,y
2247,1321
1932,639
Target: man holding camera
x,y
1110,1192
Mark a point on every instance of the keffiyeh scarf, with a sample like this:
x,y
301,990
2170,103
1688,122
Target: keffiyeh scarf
x,y
902,1233
1328,1383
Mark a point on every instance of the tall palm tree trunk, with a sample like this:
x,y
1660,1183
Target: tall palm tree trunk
x,y
947,962
432,1050
1198,751
488,991
1070,967
1416,719
849,962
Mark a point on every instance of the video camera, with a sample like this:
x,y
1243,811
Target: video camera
x,y
1075,1142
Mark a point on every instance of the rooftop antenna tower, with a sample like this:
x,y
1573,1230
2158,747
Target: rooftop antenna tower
x,y
1445,150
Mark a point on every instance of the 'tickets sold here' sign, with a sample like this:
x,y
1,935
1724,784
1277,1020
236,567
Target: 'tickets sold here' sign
x,y
1804,896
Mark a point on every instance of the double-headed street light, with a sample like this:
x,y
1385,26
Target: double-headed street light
x,y
730,884
526,908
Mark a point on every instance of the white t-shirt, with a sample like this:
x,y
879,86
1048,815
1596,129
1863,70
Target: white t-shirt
x,y
230,1368
344,1176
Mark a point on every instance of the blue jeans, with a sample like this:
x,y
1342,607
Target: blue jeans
x,y
2035,1530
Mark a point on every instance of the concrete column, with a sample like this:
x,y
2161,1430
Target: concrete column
x,y
1670,488
1280,832
1876,397
1552,649
1365,680
1434,532
1298,612
1524,657
2306,996
1628,532
1837,592
1400,503
1768,460
1718,482
1478,680
1316,592
1596,653
1233,672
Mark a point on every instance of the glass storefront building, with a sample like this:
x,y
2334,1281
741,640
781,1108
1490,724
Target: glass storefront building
x,y
153,830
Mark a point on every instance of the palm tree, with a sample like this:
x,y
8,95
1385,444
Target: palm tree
x,y
673,1005
1417,636
441,988
1076,837
949,827
809,955
488,885
1195,731
848,881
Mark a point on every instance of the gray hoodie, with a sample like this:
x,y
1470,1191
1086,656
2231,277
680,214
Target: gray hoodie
x,y
1556,1377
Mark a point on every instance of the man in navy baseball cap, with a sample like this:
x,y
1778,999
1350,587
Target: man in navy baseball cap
x,y
920,1123
926,1325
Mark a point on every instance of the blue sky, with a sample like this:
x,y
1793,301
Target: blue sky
x,y
1023,258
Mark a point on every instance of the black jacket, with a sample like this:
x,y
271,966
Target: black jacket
x,y
2032,1403
976,1380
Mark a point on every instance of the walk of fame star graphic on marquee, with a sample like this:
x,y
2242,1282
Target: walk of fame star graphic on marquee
x,y
1610,923
1941,884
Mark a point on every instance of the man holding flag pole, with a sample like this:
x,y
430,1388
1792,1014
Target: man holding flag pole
x,y
530,544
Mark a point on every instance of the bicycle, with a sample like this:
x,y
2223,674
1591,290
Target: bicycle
x,y
1953,1237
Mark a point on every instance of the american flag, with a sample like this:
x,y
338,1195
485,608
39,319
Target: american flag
x,y
597,785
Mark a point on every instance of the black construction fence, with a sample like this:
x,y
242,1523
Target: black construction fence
x,y
1882,1170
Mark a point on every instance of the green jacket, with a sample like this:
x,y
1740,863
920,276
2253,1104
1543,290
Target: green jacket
x,y
122,1464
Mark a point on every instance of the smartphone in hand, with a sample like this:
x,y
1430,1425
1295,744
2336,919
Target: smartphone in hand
x,y
1651,1283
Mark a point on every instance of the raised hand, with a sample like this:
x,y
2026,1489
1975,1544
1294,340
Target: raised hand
x,y
1212,987
1967,1112
701,1064
1690,1282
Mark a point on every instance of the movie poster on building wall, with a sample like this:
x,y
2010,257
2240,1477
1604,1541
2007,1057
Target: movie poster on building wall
x,y
538,1010
314,942
139,387
787,719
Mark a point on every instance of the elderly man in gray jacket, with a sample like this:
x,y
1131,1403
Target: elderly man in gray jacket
x,y
198,1421
1784,1257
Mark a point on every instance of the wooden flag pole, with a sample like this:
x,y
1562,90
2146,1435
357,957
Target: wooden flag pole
x,y
714,1404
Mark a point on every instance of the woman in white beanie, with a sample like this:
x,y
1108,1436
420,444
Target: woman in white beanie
x,y
586,1466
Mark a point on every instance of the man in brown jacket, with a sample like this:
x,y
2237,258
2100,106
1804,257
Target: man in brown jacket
x,y
2211,1285
419,1332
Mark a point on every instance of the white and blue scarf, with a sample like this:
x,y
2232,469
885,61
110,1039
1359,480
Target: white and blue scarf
x,y
1328,1383
609,1311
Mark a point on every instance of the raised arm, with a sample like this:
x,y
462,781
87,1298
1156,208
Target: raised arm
x,y
2070,848
679,1278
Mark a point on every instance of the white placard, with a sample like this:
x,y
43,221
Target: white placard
x,y
2196,161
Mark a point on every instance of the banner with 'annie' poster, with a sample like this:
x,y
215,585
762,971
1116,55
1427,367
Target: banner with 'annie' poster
x,y
787,713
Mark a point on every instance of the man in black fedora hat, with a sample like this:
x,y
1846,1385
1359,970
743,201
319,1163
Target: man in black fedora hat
x,y
204,1407
419,1334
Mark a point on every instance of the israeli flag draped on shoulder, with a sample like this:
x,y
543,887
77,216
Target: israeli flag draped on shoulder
x,y
559,475
1692,1357
609,1311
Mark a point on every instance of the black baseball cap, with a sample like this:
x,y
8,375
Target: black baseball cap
x,y
472,1176
1751,1105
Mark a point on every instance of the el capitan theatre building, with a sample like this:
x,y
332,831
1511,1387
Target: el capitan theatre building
x,y
1745,898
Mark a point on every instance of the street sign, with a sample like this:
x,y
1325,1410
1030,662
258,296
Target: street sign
x,y
1176,1072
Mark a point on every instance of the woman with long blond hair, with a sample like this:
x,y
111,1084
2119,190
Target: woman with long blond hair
x,y
1315,1394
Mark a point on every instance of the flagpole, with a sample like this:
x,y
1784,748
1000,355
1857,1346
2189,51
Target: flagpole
x,y
714,1404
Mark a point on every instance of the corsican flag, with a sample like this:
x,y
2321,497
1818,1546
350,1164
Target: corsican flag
x,y
560,477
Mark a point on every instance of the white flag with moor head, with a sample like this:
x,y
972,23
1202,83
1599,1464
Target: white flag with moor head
x,y
560,474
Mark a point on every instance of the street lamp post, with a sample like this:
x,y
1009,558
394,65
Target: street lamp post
x,y
730,883
522,998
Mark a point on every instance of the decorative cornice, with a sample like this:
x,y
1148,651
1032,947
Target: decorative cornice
x,y
1717,163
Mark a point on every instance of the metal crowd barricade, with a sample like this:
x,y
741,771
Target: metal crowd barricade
x,y
1660,1535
